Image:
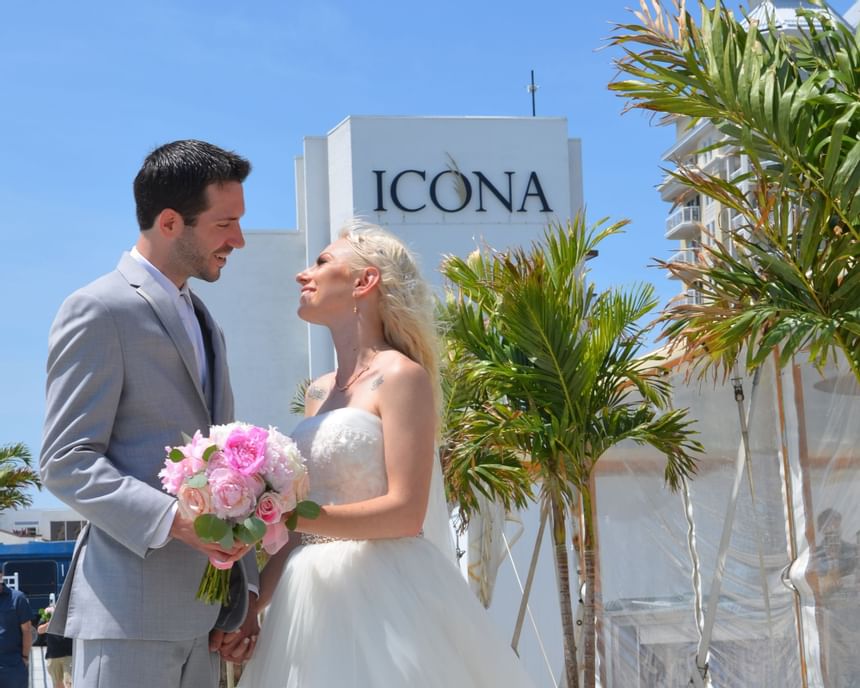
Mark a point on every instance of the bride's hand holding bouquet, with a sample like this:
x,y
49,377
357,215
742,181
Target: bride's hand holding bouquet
x,y
241,483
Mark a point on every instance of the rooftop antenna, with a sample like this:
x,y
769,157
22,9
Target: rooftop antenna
x,y
532,88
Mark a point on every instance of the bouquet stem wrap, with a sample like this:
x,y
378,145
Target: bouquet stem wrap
x,y
215,584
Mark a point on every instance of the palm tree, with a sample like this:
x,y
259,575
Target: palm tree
x,y
16,476
550,377
791,103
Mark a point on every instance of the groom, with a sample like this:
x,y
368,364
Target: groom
x,y
134,361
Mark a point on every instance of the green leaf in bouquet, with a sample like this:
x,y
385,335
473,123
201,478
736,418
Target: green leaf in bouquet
x,y
227,541
209,451
211,528
176,455
308,509
240,532
197,480
292,521
256,527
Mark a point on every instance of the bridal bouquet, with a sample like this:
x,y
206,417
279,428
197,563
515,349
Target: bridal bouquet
x,y
242,482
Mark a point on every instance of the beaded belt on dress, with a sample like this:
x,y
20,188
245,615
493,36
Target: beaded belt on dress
x,y
313,539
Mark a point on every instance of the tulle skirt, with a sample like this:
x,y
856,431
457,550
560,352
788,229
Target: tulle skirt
x,y
378,614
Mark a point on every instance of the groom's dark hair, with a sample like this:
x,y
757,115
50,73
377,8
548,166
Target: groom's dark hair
x,y
176,175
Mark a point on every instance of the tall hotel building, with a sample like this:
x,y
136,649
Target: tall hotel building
x,y
697,220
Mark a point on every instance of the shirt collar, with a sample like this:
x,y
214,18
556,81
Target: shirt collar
x,y
172,290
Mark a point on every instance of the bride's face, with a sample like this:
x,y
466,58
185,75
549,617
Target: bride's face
x,y
327,285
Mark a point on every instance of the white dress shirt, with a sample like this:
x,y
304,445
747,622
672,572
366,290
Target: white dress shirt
x,y
182,300
184,308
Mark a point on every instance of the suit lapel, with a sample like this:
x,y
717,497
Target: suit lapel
x,y
165,311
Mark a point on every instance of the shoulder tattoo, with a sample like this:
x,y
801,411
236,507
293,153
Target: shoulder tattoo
x,y
316,392
377,382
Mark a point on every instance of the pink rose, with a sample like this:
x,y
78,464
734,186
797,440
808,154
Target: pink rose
x,y
270,508
194,501
245,449
233,494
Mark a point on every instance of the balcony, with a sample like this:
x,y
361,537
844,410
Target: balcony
x,y
684,223
671,189
735,167
685,255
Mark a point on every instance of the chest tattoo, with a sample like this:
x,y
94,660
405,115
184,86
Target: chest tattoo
x,y
315,392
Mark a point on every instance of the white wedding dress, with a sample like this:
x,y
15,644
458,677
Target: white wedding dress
x,y
371,613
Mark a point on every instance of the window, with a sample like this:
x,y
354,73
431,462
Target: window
x,y
65,530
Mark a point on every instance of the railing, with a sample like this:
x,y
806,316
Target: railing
x,y
734,173
685,255
689,213
683,223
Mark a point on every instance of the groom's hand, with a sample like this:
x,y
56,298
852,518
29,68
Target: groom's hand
x,y
183,529
238,646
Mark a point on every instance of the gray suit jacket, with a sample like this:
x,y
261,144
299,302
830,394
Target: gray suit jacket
x,y
123,385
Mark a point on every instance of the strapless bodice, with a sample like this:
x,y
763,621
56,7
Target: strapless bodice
x,y
344,453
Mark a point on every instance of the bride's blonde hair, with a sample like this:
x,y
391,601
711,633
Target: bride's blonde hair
x,y
406,305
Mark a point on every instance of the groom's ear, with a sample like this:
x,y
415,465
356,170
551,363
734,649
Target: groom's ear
x,y
168,222
367,280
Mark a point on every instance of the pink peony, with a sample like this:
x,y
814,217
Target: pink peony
x,y
258,485
245,449
283,460
172,475
194,451
218,434
175,473
301,485
233,494
194,501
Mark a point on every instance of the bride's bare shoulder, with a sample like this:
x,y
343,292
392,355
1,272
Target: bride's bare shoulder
x,y
401,376
317,392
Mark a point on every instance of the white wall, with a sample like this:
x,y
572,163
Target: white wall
x,y
254,301
12,520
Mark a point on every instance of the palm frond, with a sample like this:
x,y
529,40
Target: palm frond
x,y
547,371
790,103
16,476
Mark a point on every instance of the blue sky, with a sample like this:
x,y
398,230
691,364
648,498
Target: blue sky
x,y
90,87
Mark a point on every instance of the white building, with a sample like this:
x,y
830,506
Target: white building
x,y
694,219
43,524
445,185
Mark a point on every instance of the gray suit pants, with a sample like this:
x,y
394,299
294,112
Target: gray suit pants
x,y
145,664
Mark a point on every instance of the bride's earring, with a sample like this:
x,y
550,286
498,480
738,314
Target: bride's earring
x,y
355,308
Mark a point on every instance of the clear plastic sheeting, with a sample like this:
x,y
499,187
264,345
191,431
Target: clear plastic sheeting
x,y
787,608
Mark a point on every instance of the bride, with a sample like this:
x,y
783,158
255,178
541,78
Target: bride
x,y
367,601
